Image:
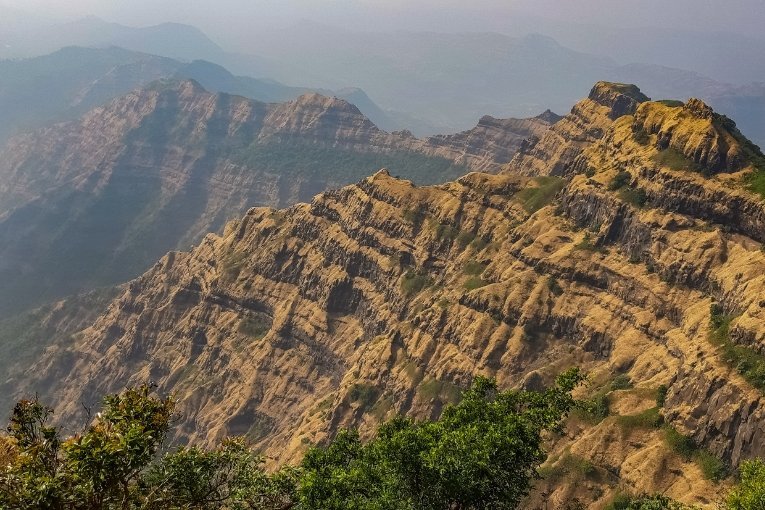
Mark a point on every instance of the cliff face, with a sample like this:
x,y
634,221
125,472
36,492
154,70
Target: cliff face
x,y
384,297
98,200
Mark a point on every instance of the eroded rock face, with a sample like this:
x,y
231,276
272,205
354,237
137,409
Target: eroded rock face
x,y
555,151
384,297
97,201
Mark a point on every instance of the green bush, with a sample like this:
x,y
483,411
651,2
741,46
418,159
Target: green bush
x,y
750,493
634,196
620,180
534,198
621,382
474,283
661,395
648,419
474,268
414,282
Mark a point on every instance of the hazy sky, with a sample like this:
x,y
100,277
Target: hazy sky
x,y
223,18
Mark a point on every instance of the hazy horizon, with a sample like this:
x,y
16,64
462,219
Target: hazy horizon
x,y
217,19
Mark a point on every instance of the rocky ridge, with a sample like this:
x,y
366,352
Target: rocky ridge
x,y
384,297
96,201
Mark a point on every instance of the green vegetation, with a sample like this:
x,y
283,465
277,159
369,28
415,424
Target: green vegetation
x,y
648,419
570,466
464,239
594,409
620,180
621,382
534,198
750,493
365,394
747,361
635,196
756,182
587,244
672,103
474,268
661,395
553,286
675,160
414,282
254,327
481,453
624,501
336,165
475,283
713,468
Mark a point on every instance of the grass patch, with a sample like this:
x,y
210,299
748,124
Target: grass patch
x,y
711,467
675,160
474,283
661,395
620,180
672,103
443,391
414,282
756,182
747,362
587,244
232,265
634,196
648,419
569,465
253,327
621,382
534,198
365,394
594,409
474,268
464,239
554,287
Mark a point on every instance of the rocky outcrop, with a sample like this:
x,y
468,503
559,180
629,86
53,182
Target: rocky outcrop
x,y
384,297
555,151
97,201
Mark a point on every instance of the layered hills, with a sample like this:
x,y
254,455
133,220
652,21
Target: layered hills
x,y
65,84
626,239
97,200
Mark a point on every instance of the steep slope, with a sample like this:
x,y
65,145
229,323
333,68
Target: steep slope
x,y
384,297
96,201
67,83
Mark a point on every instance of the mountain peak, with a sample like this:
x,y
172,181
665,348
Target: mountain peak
x,y
622,98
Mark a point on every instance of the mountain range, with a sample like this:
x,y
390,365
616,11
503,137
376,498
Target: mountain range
x,y
95,201
626,239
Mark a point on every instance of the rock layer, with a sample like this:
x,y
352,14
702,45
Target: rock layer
x,y
97,201
384,297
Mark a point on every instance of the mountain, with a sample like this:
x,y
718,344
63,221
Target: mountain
x,y
67,83
96,201
172,40
626,240
442,80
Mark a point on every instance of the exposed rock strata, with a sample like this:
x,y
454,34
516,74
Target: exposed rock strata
x,y
384,297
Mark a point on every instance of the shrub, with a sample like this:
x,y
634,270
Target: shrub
x,y
648,419
620,180
634,196
750,493
474,268
414,282
621,382
536,197
661,395
474,283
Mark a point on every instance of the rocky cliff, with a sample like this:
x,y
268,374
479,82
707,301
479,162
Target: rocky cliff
x,y
98,200
638,260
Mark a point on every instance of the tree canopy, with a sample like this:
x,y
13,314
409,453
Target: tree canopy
x,y
480,454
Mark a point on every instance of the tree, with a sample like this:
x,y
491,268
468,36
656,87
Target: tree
x,y
750,493
482,453
93,470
